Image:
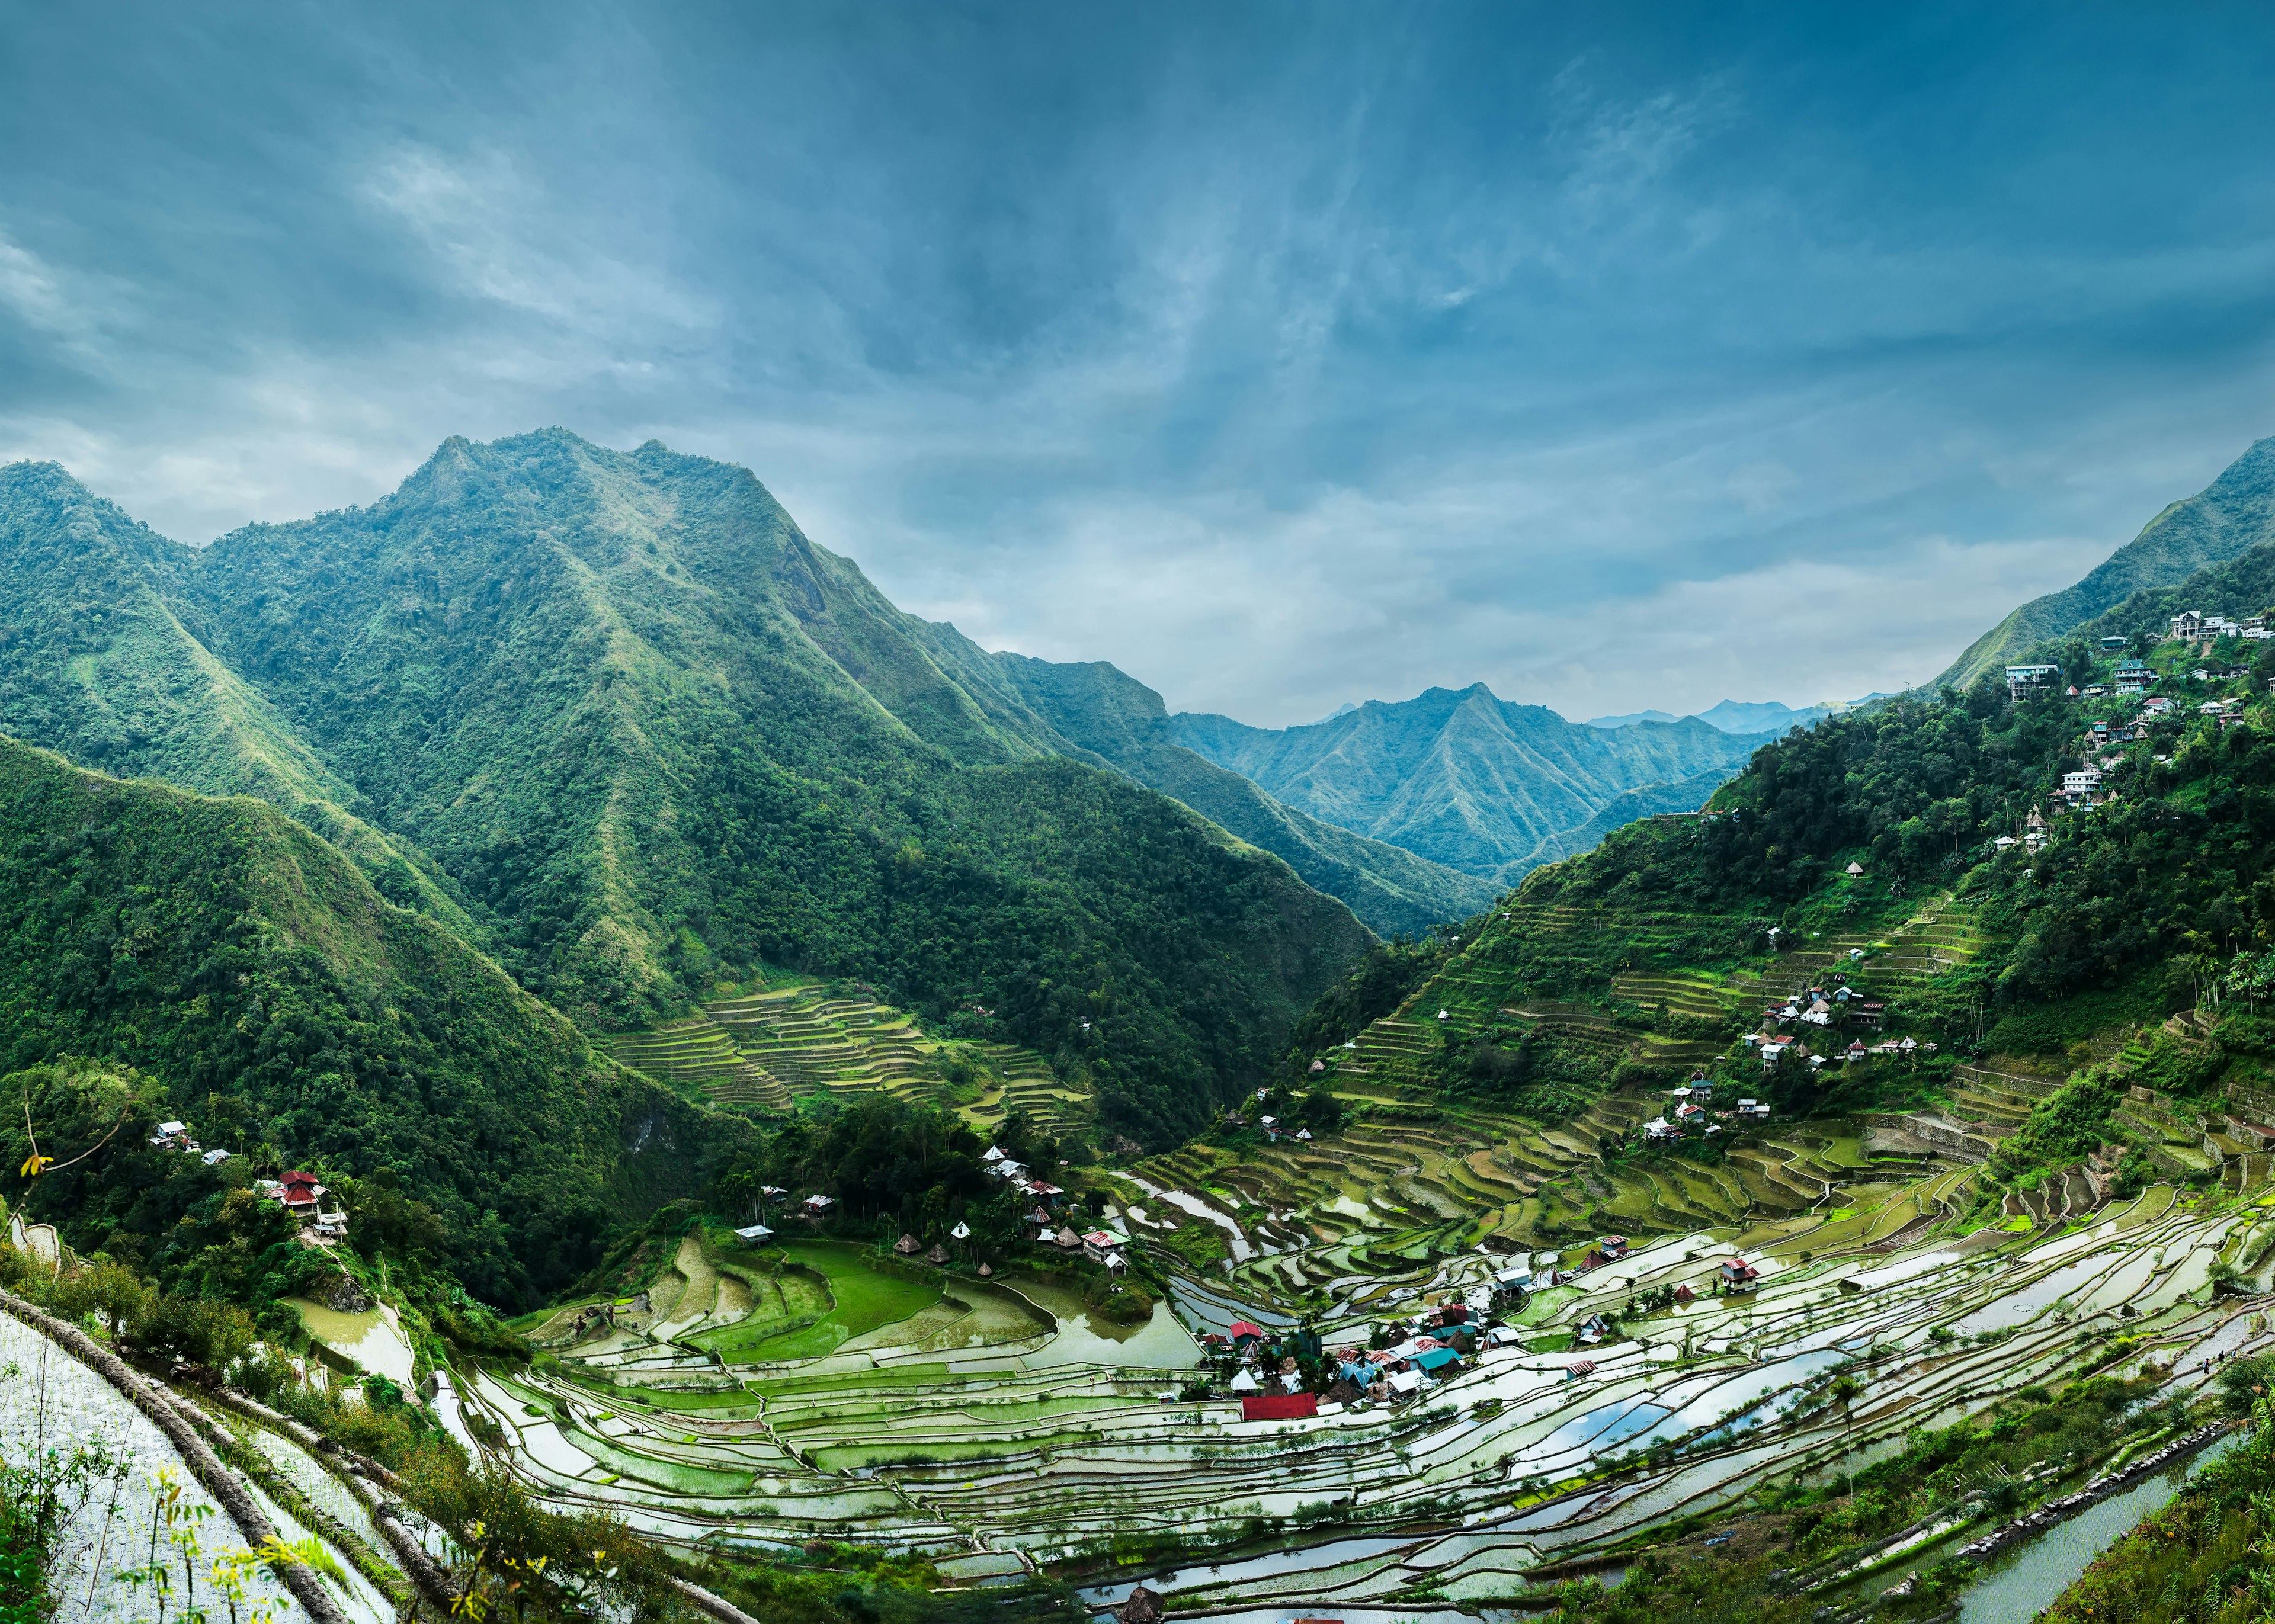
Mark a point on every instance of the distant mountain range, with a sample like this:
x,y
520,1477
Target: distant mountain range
x,y
1731,717
1473,781
2230,517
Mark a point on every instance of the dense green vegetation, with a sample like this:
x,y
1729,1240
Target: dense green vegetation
x,y
627,729
1470,780
2174,864
218,946
2233,514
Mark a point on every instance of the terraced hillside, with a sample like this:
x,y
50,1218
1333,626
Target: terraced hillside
x,y
808,1041
1428,1166
1063,1450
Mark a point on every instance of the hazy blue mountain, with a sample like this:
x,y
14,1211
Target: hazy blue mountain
x,y
1469,780
2232,515
1098,709
1630,718
1730,715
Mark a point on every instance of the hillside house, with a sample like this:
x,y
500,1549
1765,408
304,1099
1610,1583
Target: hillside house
x,y
753,1232
2022,679
1657,1128
2186,625
815,1206
2084,780
1868,1013
1738,1275
2112,645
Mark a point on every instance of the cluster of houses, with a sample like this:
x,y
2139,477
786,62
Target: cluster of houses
x,y
300,1195
1693,1107
2192,626
177,1136
1099,1246
1274,1129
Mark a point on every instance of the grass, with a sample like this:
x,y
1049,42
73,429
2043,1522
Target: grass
x,y
861,1300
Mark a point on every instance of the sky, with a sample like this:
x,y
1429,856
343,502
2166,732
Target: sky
x,y
1285,356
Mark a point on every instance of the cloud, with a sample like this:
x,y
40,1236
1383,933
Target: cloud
x,y
1614,361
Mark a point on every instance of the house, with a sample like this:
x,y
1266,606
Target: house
x,y
2188,624
1243,1331
1578,1369
1615,1246
1066,1240
1043,1191
815,1206
300,1192
1304,1133
938,1255
1738,1274
1278,1406
213,1159
2085,781
1657,1128
1683,1294
1869,1013
993,1154
1435,1359
2033,830
962,1232
1594,1328
2022,679
1099,1246
1855,1048
908,1246
2112,645
753,1232
1856,870
1245,1381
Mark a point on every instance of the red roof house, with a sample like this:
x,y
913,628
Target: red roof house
x,y
1278,1406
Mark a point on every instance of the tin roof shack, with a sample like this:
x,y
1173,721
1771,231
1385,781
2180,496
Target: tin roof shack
x,y
1739,1276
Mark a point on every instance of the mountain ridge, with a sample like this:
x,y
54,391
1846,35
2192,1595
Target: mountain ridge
x,y
1463,777
2233,514
641,734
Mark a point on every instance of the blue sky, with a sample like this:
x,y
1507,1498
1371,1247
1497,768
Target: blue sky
x,y
1281,355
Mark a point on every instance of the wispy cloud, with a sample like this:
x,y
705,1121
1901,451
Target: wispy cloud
x,y
1283,361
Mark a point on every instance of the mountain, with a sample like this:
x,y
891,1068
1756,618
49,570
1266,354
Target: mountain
x,y
1630,718
1465,779
623,717
1098,708
225,948
96,663
2235,512
1730,716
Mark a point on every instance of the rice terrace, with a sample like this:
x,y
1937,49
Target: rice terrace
x,y
1643,1348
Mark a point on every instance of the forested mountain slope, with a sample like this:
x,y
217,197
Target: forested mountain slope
x,y
1464,779
96,663
2234,512
648,734
226,949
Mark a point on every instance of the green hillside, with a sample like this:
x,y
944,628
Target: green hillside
x,y
2233,514
226,950
1467,779
1096,708
2127,953
624,725
96,663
